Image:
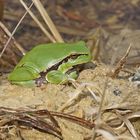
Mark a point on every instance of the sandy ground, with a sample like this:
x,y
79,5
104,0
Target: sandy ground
x,y
119,93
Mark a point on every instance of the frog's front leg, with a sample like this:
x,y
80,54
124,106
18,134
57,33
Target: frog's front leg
x,y
60,76
57,77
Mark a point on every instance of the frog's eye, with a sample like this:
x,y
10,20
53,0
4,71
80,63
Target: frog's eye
x,y
71,57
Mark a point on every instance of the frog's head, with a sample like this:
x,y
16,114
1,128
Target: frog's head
x,y
79,48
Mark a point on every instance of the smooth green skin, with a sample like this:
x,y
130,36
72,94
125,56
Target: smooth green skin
x,y
45,56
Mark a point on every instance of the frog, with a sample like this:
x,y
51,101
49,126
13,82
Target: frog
x,y
50,63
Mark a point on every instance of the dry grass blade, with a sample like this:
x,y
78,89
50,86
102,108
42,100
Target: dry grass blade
x,y
98,120
72,100
9,116
9,34
38,22
1,9
11,55
42,120
121,63
106,134
114,124
74,119
134,115
5,46
80,88
129,126
48,20
45,113
102,100
23,120
38,124
122,137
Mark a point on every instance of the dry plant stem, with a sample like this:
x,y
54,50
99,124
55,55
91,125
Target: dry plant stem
x,y
42,120
74,119
49,115
5,46
48,20
106,134
114,57
134,115
18,132
9,116
102,100
42,114
39,124
72,100
38,22
9,34
96,50
125,137
98,120
79,90
121,63
67,29
1,9
129,126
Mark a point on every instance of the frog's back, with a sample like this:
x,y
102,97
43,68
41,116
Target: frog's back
x,y
47,55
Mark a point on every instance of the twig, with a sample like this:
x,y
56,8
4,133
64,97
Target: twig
x,y
1,9
98,119
48,20
66,29
129,125
74,119
38,22
121,63
5,46
29,118
42,120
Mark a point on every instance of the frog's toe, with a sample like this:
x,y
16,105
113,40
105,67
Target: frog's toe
x,y
40,81
73,75
29,83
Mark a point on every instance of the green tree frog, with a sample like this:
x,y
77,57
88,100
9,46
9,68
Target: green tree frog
x,y
50,63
